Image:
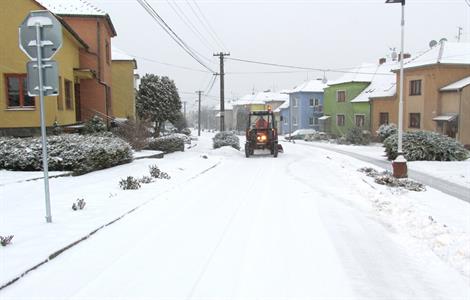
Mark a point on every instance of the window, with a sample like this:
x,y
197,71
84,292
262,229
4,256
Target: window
x,y
68,94
60,97
17,91
415,87
315,121
317,101
294,121
415,119
294,102
383,118
360,120
310,121
340,96
285,121
340,120
311,102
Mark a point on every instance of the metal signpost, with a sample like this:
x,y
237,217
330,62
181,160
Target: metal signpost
x,y
40,37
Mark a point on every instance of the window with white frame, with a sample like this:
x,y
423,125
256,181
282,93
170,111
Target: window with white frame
x,y
294,121
360,120
311,102
340,120
310,121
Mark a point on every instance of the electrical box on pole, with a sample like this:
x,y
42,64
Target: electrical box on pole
x,y
40,37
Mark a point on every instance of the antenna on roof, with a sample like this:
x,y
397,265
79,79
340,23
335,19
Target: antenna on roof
x,y
324,80
432,43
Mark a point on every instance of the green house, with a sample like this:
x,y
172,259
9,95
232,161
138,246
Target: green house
x,y
347,100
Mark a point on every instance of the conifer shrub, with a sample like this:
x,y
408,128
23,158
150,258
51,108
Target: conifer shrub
x,y
5,240
226,138
155,172
95,125
386,130
357,136
426,145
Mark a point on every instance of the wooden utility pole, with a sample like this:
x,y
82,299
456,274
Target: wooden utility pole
x,y
222,100
199,114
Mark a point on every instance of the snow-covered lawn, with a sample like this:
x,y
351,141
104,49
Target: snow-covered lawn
x,y
457,172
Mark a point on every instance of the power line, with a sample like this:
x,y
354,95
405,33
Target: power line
x,y
303,68
172,34
183,17
208,28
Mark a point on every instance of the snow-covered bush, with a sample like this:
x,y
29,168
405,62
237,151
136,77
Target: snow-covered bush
x,y
5,240
426,145
226,138
357,136
167,144
184,137
79,204
145,179
386,130
386,178
155,172
136,133
186,131
94,125
68,152
130,183
317,136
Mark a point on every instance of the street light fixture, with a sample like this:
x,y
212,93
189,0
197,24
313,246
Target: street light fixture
x,y
400,169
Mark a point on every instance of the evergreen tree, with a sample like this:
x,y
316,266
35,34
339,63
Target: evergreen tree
x,y
158,100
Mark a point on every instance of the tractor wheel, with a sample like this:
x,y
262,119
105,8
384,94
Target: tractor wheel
x,y
275,150
247,150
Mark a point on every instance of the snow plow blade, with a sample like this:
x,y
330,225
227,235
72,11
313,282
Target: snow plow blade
x,y
279,148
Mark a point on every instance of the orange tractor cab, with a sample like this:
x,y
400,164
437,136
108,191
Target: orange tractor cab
x,y
261,133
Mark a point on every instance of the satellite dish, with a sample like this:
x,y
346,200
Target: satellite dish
x,y
432,43
442,40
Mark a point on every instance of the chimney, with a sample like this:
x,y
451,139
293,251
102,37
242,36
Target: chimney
x,y
406,55
382,60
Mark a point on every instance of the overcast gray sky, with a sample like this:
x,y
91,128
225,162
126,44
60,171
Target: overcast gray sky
x,y
311,33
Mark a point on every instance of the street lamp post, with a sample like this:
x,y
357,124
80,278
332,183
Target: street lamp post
x,y
399,166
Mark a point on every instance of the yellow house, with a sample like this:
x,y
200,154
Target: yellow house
x,y
123,85
19,113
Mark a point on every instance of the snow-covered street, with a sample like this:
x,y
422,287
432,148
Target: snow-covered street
x,y
305,225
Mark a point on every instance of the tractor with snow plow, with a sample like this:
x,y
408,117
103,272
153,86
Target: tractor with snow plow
x,y
261,133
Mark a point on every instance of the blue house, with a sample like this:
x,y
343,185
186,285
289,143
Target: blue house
x,y
306,105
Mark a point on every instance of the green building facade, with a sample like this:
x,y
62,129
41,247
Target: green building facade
x,y
340,113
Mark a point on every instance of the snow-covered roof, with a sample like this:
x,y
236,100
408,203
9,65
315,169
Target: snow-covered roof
x,y
362,73
381,85
458,85
72,7
119,55
75,8
282,106
261,98
309,86
442,53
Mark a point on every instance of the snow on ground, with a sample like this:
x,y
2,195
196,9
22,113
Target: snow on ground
x,y
457,172
22,205
304,225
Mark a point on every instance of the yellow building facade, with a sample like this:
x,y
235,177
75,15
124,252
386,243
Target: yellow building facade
x,y
122,87
17,109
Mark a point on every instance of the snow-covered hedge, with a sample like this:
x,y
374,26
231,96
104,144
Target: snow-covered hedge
x,y
426,145
167,144
69,152
357,136
226,138
386,130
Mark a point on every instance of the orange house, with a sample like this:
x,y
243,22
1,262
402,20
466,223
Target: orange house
x,y
94,26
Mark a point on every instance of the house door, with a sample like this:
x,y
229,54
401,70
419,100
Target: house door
x,y
78,114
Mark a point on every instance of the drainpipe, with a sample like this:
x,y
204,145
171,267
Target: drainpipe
x,y
460,128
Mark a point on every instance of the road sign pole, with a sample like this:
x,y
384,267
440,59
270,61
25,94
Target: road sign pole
x,y
43,124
